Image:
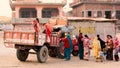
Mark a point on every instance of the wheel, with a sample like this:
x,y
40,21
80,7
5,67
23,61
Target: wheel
x,y
22,55
75,53
52,52
42,54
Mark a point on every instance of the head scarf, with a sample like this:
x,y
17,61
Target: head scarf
x,y
80,35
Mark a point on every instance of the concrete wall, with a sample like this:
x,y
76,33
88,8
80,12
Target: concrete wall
x,y
92,28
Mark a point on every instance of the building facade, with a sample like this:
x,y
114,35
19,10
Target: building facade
x,y
37,8
96,8
93,26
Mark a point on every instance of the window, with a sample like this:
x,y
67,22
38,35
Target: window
x,y
108,14
82,13
99,14
89,13
118,14
46,13
49,12
28,13
25,14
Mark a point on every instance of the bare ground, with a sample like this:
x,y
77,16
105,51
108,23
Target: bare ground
x,y
8,60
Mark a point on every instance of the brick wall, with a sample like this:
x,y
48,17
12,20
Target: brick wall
x,y
77,11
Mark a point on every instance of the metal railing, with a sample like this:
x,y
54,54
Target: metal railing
x,y
28,20
22,20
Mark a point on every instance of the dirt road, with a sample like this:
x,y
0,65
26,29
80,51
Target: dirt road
x,y
8,60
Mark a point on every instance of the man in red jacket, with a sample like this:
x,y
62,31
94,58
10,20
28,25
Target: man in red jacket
x,y
67,50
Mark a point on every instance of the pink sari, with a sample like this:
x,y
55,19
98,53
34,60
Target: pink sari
x,y
116,46
86,44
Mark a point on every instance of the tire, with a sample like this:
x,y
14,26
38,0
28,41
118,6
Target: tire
x,y
52,52
22,55
42,54
75,53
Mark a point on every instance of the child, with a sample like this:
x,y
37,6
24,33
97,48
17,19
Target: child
x,y
100,56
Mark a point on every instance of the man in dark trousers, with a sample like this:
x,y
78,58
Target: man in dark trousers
x,y
81,47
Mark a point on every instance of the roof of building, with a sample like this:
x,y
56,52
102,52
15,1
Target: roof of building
x,y
95,2
90,19
36,3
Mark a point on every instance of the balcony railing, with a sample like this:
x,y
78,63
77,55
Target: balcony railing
x,y
27,20
22,20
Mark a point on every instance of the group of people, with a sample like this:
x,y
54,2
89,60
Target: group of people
x,y
108,50
103,50
42,28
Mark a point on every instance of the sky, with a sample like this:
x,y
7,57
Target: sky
x,y
67,7
5,9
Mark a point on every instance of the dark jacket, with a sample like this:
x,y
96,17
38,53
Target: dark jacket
x,y
102,43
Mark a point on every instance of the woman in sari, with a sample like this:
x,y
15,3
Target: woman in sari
x,y
80,45
86,43
36,25
109,47
116,49
96,47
